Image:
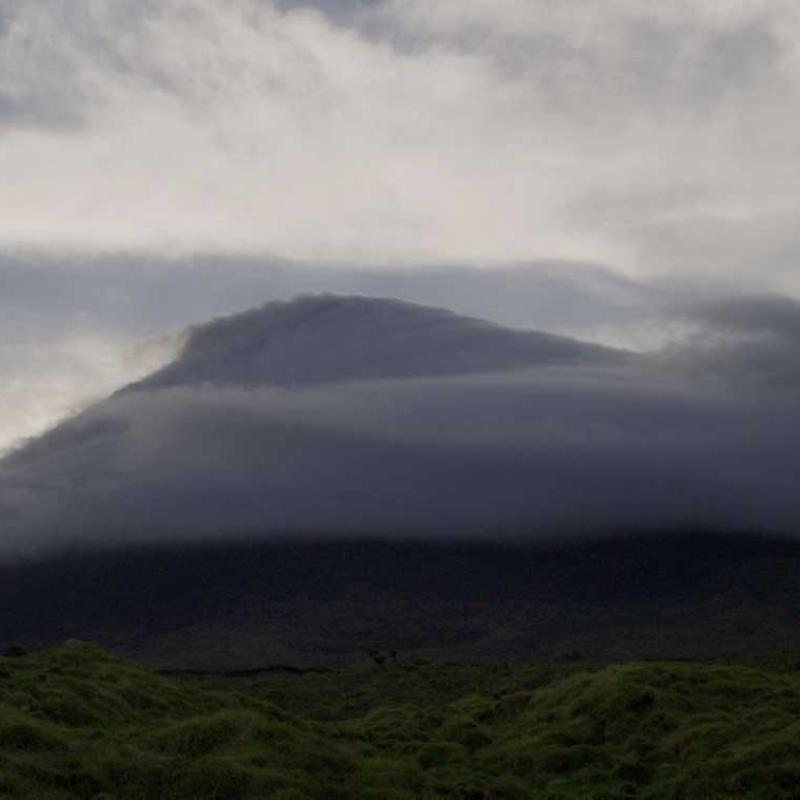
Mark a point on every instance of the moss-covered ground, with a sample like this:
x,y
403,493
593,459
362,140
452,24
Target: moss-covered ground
x,y
76,722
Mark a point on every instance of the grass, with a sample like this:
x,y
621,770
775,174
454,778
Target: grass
x,y
76,722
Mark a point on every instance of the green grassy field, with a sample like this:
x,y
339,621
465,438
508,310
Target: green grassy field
x,y
76,722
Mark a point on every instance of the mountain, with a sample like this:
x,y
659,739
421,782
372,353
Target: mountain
x,y
332,339
325,415
315,478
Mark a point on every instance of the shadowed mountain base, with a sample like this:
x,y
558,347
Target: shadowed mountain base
x,y
245,605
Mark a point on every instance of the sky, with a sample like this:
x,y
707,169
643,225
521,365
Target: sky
x,y
599,170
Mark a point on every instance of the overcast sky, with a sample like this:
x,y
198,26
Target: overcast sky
x,y
576,166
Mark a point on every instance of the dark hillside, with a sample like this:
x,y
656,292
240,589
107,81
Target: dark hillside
x,y
245,605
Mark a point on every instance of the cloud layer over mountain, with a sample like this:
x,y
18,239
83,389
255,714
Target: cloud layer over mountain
x,y
74,329
622,172
163,162
436,426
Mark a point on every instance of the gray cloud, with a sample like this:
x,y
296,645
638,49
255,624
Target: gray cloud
x,y
147,294
753,340
555,448
585,53
407,132
344,12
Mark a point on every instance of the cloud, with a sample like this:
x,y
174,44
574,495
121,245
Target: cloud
x,y
49,376
754,340
400,132
553,448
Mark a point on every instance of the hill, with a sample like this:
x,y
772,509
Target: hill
x,y
77,723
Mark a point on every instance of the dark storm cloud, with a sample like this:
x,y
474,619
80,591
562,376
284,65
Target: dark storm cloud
x,y
560,447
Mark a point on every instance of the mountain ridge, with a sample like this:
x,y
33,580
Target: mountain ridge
x,y
330,417
336,338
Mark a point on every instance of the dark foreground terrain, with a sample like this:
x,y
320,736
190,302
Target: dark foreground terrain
x,y
76,722
239,606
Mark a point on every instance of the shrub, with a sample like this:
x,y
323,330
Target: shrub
x,y
201,736
437,754
211,779
27,736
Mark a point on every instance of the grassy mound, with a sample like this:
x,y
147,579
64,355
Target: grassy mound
x,y
78,723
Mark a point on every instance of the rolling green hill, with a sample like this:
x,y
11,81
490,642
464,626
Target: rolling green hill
x,y
76,722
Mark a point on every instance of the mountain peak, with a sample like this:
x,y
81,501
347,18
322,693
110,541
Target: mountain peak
x,y
332,338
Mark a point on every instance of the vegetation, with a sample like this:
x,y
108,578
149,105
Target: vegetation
x,y
76,722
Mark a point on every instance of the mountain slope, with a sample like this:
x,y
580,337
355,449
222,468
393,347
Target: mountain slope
x,y
313,479
240,605
340,417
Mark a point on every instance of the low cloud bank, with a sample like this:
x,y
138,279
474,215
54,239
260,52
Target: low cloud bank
x,y
560,440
